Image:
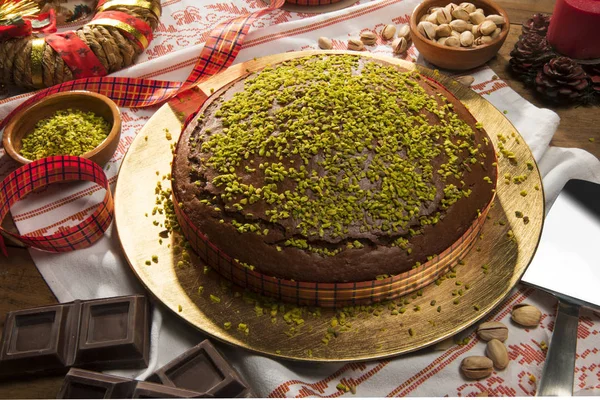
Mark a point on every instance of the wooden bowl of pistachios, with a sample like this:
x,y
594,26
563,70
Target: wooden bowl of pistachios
x,y
458,36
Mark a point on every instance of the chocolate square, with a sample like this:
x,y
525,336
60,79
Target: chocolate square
x,y
39,340
147,390
202,369
82,384
114,333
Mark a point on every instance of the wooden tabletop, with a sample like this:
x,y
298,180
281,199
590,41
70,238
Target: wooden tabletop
x,y
21,285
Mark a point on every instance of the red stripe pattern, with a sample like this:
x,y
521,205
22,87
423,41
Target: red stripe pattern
x,y
47,171
80,59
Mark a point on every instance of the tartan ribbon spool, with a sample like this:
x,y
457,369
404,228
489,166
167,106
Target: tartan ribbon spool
x,y
322,294
44,172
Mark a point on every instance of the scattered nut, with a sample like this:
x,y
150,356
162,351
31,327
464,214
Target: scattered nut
x,y
388,32
492,330
476,367
355,44
526,315
399,45
404,32
466,80
369,38
496,351
325,43
466,39
443,30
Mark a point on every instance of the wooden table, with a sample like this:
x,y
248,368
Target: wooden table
x,y
22,286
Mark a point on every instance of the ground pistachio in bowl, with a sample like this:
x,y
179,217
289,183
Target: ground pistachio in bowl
x,y
67,132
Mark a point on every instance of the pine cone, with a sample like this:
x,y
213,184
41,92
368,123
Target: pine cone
x,y
530,53
562,80
537,24
593,72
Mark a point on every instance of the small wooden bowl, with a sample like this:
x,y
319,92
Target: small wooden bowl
x,y
24,122
457,58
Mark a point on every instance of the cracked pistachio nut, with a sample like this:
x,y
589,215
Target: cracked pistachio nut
x,y
452,41
476,367
476,18
487,27
483,40
388,32
459,25
399,45
466,39
369,38
432,18
470,7
325,43
443,30
495,18
492,330
427,29
526,315
404,32
496,351
450,7
443,16
475,31
460,13
355,44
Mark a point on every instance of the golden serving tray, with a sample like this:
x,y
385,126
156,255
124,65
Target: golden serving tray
x,y
490,270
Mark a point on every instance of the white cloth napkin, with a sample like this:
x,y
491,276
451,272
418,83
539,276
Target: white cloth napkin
x,y
101,270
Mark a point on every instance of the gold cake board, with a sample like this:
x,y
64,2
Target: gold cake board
x,y
491,269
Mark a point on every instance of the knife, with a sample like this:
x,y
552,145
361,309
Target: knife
x,y
566,265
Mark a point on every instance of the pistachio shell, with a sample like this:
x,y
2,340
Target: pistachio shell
x,y
325,43
495,18
466,39
355,44
404,32
459,25
475,31
483,40
452,42
442,41
526,315
432,18
443,30
423,18
487,27
480,10
433,9
460,13
427,29
443,16
399,45
492,330
496,351
450,7
476,17
388,32
496,33
476,367
470,7
369,38
466,80
455,34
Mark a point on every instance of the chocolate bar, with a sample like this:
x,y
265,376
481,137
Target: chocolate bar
x,y
106,333
148,390
202,369
82,384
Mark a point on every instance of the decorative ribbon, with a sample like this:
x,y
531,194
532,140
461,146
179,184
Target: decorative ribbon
x,y
134,28
23,28
105,5
312,2
37,53
47,171
80,59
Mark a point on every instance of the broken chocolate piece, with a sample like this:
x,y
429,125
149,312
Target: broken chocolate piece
x,y
82,384
148,390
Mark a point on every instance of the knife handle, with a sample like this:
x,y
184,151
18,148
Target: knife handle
x,y
559,368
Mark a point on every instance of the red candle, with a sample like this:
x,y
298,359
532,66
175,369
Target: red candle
x,y
575,28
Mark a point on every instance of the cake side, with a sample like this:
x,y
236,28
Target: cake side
x,y
333,168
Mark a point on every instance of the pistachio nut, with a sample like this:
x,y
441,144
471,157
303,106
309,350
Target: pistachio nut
x,y
476,367
369,38
460,13
433,9
427,29
450,7
470,7
388,32
423,18
443,16
526,315
496,351
452,42
355,44
487,27
483,40
443,30
404,32
480,10
399,45
496,33
476,17
466,80
495,18
455,34
432,18
475,31
466,39
325,43
492,330
459,25
442,41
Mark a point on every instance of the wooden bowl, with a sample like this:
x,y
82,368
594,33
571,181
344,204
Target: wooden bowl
x,y
24,122
457,58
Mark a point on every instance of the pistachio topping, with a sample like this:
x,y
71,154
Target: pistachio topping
x,y
333,154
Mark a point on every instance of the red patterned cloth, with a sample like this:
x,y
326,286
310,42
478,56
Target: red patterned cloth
x,y
80,59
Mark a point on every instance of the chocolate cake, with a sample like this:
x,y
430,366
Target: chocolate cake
x,y
333,168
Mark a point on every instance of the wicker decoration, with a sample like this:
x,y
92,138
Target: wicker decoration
x,y
119,32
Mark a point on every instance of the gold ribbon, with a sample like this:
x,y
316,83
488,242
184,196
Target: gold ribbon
x,y
110,5
37,53
122,26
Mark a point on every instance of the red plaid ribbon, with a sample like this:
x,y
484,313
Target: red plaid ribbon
x,y
45,172
219,52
